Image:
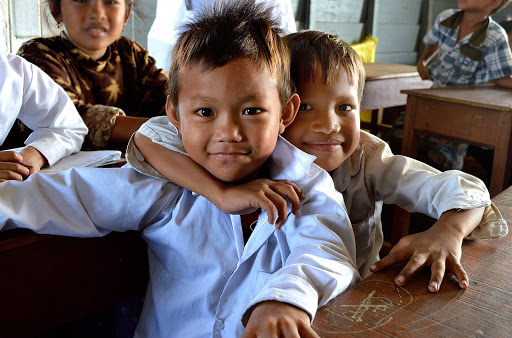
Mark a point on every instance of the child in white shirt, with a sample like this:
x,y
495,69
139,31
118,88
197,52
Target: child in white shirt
x,y
31,96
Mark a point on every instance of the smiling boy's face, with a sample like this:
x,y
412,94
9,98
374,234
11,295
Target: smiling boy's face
x,y
327,124
230,117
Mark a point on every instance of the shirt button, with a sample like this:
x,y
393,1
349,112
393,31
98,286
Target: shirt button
x,y
219,324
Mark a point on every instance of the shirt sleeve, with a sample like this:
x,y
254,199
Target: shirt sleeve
x,y
85,202
417,187
498,58
434,34
58,129
161,131
321,260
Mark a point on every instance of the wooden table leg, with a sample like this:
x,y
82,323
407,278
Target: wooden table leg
x,y
501,164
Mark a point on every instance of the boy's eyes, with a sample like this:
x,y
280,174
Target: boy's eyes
x,y
345,107
252,111
208,112
304,106
342,107
205,112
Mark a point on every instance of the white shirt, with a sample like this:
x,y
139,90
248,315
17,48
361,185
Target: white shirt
x,y
202,278
171,13
29,94
373,175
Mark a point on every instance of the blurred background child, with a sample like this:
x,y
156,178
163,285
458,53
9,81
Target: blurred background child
x,y
31,96
464,46
171,14
111,79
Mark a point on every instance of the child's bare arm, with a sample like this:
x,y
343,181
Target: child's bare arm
x,y
237,199
276,319
438,247
422,69
504,82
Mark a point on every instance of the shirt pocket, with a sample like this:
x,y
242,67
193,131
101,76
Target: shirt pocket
x,y
468,60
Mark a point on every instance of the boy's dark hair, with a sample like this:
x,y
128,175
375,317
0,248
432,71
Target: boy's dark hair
x,y
507,24
312,49
504,3
227,31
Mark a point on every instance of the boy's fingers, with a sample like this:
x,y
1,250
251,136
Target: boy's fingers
x,y
461,275
388,260
292,192
6,175
415,263
436,278
10,156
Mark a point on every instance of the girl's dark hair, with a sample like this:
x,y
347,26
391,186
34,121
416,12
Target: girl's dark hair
x,y
227,31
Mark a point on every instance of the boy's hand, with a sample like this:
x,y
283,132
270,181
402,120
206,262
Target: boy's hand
x,y
423,71
276,319
440,249
265,194
10,169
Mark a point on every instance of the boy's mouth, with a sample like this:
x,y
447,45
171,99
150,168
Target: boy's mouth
x,y
326,145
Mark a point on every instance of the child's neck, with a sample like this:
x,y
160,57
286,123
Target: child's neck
x,y
471,21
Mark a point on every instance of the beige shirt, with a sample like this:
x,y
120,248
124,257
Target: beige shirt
x,y
373,175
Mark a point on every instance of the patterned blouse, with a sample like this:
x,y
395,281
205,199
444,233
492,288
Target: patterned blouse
x,y
125,81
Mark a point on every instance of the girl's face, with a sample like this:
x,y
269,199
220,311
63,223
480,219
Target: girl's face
x,y
93,25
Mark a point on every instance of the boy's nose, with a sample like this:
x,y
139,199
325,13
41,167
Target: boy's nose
x,y
228,129
327,123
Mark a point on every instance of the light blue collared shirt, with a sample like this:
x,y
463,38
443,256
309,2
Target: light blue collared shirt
x,y
202,277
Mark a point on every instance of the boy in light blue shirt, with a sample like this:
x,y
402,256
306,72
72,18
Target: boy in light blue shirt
x,y
230,98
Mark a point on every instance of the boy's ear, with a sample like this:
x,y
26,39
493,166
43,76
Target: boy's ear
x,y
172,114
289,112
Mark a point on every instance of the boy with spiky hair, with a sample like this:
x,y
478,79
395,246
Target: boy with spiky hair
x,y
329,77
230,99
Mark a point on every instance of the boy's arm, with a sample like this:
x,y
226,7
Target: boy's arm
x,y
438,247
85,202
268,195
319,250
504,82
417,187
422,68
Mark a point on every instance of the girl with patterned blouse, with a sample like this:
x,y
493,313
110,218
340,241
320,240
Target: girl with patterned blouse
x,y
111,79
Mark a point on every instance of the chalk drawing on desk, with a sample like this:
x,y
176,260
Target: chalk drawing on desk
x,y
374,310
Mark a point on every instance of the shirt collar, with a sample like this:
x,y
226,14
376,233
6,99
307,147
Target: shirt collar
x,y
350,167
478,36
288,162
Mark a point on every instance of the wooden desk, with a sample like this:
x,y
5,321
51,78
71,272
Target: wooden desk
x,y
384,81
481,115
377,308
